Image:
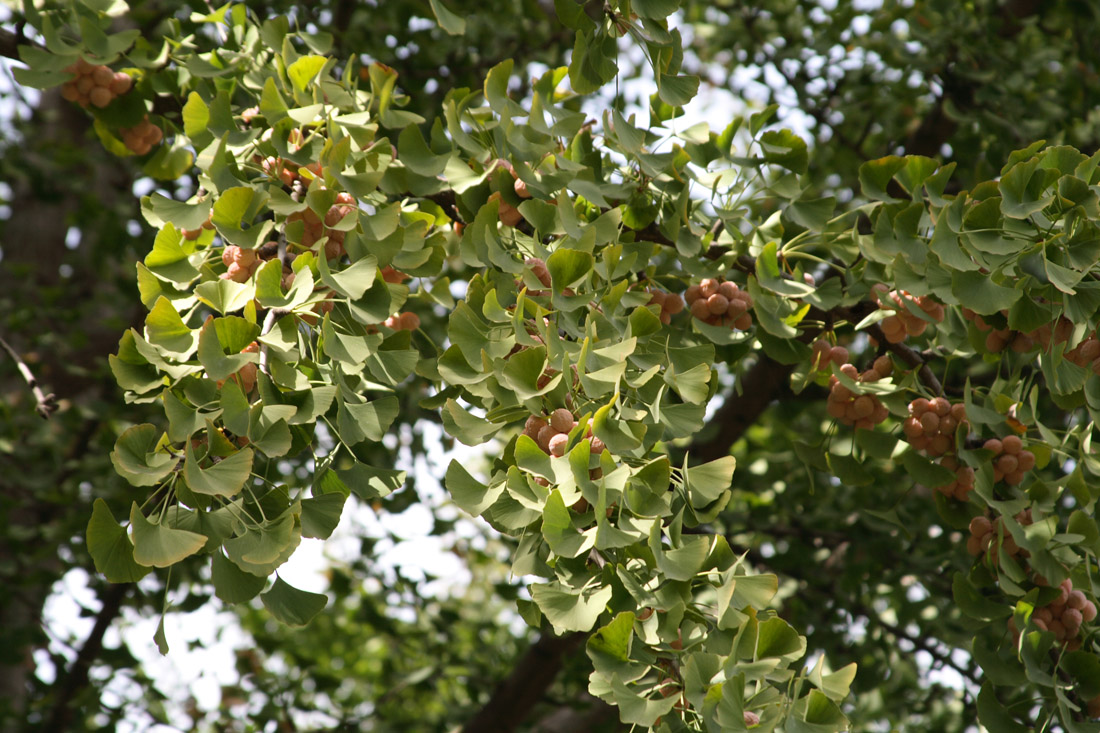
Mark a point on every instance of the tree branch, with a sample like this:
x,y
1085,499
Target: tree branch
x,y
910,356
763,382
516,695
76,679
577,720
47,403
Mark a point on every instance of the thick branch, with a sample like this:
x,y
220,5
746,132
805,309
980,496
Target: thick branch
x,y
764,382
516,695
578,720
77,677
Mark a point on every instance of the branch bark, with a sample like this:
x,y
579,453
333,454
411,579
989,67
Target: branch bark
x,y
578,720
76,679
764,382
528,681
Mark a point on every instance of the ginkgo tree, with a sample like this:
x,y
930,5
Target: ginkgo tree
x,y
572,291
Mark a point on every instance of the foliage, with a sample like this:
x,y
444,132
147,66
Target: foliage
x,y
281,335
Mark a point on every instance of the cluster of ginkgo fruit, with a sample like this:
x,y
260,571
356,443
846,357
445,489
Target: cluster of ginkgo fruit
x,y
859,410
509,215
541,273
315,227
141,138
824,354
94,84
1063,616
932,424
1086,354
984,533
669,303
1010,459
960,486
240,263
286,171
999,339
404,321
552,433
193,234
903,323
720,303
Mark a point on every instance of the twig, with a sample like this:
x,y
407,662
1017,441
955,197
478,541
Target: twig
x,y
911,357
10,43
272,316
47,403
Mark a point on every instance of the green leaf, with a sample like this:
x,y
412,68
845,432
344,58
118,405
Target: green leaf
x,y
354,280
369,483
993,715
754,591
568,266
777,638
224,296
292,606
453,23
231,209
229,332
182,215
636,710
169,259
925,471
169,162
224,478
620,436
304,70
568,609
614,640
231,584
837,685
1084,668
158,546
677,90
683,562
784,148
137,456
196,115
472,496
496,90
165,328
974,604
1022,190
593,63
40,78
812,214
469,429
655,9
710,480
321,514
770,276
369,420
557,527
875,175
110,548
980,294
